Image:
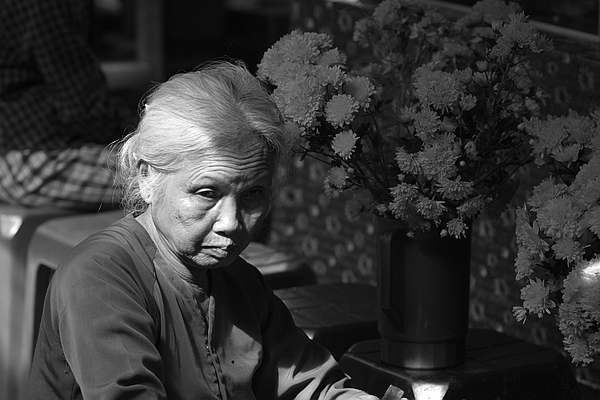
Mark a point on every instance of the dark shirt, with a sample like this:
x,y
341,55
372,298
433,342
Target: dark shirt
x,y
53,94
119,323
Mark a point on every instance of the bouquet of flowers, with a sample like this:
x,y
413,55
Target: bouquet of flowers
x,y
558,232
424,127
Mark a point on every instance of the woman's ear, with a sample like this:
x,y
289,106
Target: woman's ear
x,y
144,177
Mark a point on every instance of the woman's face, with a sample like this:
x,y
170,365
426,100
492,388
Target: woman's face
x,y
208,212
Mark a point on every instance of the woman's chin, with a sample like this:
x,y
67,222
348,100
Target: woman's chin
x,y
214,260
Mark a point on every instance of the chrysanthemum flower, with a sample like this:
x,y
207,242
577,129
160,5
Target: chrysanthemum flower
x,y
332,57
455,189
365,32
430,209
471,207
284,73
592,220
404,192
438,159
588,192
361,89
558,218
535,296
518,31
520,313
584,282
503,48
399,209
524,263
343,144
568,249
587,173
456,228
300,100
490,10
566,153
581,129
579,349
545,191
548,135
439,89
467,102
579,314
293,48
336,177
302,47
340,110
427,124
527,235
408,163
385,12
333,76
471,149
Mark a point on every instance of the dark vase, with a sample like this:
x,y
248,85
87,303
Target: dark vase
x,y
423,295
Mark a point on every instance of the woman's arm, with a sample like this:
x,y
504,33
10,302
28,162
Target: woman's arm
x,y
302,368
98,314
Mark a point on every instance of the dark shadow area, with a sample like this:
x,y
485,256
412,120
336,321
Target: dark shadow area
x,y
198,32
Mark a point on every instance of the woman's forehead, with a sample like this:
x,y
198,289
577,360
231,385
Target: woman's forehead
x,y
255,159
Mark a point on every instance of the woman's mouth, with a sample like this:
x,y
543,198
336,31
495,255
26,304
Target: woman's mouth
x,y
219,251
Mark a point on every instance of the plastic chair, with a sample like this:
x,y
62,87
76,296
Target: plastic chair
x,y
17,225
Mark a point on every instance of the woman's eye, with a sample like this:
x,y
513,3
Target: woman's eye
x,y
206,193
254,193
254,197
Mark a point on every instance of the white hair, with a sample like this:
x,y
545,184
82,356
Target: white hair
x,y
220,105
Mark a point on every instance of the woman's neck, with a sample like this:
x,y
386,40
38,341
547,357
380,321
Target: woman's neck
x,y
197,277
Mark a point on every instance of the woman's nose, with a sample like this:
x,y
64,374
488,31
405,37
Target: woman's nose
x,y
228,218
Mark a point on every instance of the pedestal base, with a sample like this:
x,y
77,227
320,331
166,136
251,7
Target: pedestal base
x,y
422,355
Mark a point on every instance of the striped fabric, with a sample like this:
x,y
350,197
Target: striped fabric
x,y
74,178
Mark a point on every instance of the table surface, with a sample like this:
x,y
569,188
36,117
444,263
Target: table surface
x,y
497,367
335,315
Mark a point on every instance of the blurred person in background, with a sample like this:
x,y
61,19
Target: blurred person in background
x,y
57,115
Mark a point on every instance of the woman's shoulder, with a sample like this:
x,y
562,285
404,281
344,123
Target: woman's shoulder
x,y
119,251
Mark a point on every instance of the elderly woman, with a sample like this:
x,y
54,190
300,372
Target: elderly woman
x,y
160,305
